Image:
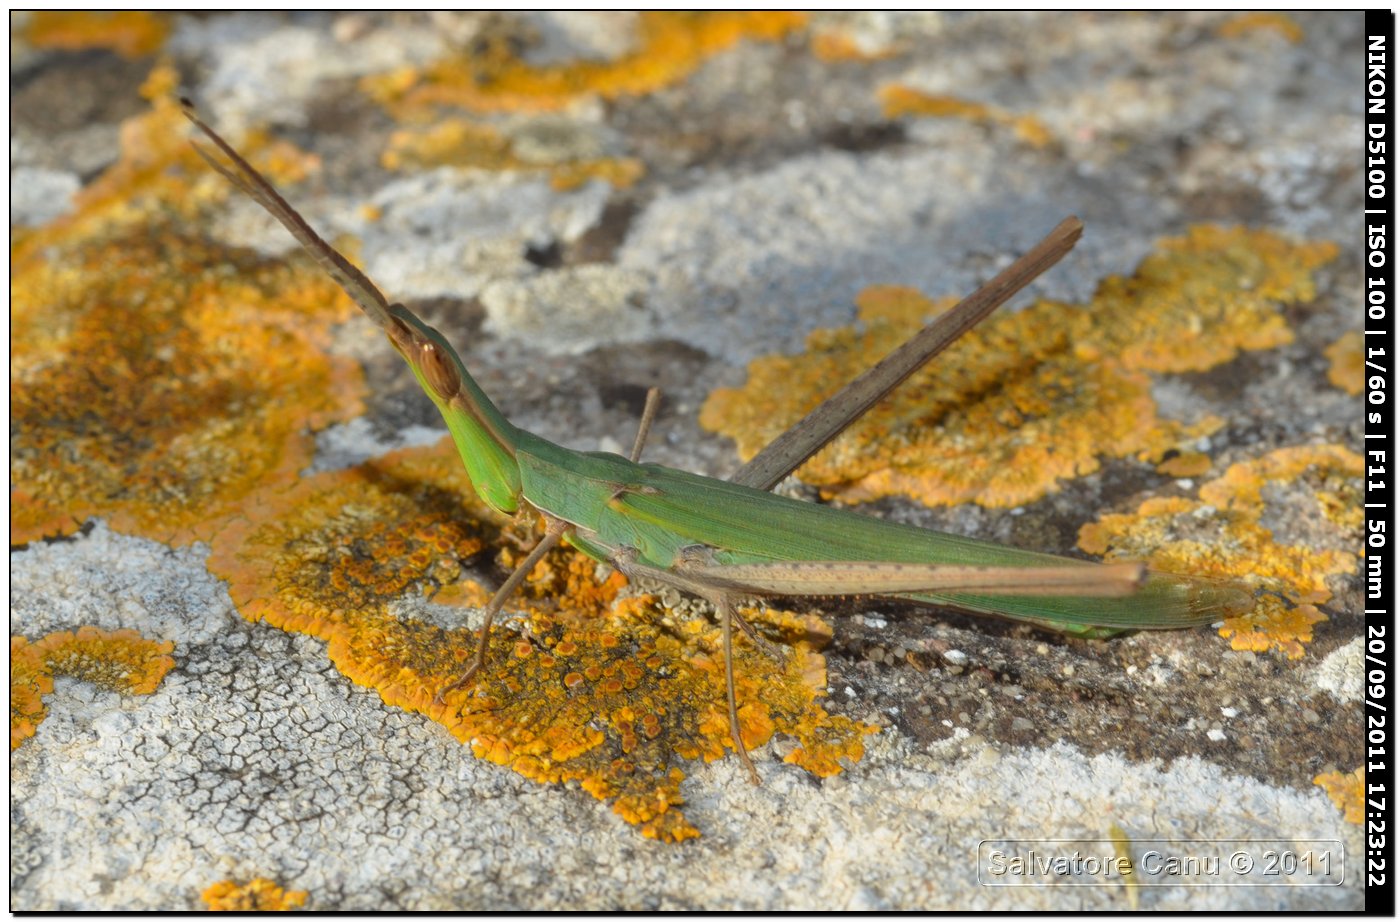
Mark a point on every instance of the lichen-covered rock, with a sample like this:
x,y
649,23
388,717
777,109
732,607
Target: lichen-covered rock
x,y
588,205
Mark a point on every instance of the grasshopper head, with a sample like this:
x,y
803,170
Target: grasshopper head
x,y
425,349
484,438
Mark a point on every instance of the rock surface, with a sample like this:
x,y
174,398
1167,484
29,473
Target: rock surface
x,y
775,187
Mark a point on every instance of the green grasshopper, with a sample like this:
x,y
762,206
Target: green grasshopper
x,y
730,540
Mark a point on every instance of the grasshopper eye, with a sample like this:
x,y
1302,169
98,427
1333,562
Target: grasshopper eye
x,y
439,371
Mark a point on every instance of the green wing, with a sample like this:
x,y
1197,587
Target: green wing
x,y
656,511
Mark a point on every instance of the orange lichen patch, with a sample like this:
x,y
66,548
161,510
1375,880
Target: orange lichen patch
x,y
1243,24
1164,527
1037,414
30,680
1030,398
1347,368
1274,624
157,376
150,143
1201,299
309,557
611,694
669,47
898,101
462,143
122,661
1332,472
258,895
606,691
1225,534
130,33
1185,464
1348,792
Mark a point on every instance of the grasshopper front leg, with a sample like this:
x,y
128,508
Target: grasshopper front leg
x,y
554,533
724,604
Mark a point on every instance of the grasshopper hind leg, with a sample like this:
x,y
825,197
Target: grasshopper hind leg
x,y
727,616
625,561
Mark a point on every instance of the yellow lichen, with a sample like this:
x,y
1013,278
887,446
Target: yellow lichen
x,y
1348,792
1244,23
898,101
493,77
1274,624
1225,534
30,680
1330,467
122,661
1123,851
308,557
462,143
609,691
1185,464
130,33
618,172
1347,363
157,376
1030,398
257,895
1203,298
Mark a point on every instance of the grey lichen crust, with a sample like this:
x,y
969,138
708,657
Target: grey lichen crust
x,y
257,758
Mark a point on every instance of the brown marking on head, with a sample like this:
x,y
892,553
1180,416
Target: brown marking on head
x,y
439,370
